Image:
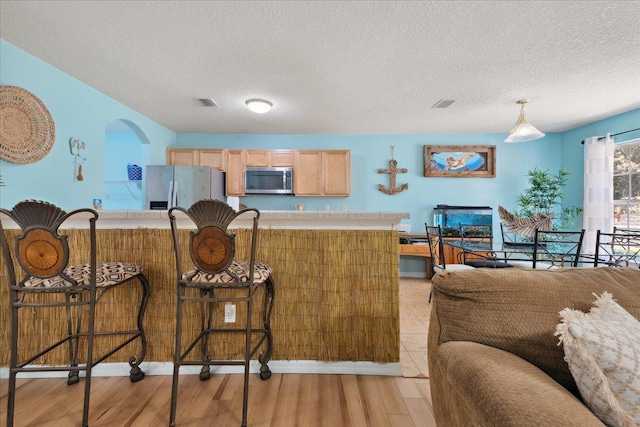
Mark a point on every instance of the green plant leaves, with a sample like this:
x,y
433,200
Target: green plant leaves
x,y
544,195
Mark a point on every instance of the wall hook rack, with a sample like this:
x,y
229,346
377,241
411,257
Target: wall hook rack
x,y
76,146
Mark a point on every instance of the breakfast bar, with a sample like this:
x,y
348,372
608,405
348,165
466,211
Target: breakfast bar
x,y
335,273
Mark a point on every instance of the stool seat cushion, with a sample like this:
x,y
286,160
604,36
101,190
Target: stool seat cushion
x,y
239,268
107,274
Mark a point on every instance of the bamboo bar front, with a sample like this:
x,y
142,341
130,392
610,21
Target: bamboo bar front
x,y
336,295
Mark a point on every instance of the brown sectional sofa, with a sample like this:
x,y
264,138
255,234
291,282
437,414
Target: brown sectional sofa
x,y
493,356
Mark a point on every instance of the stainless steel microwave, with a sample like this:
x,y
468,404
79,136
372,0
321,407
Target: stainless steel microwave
x,y
268,181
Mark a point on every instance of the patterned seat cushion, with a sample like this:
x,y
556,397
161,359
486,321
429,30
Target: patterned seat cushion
x,y
107,274
240,268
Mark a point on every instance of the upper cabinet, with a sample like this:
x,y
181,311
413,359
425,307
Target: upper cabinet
x,y
336,172
315,172
307,173
270,158
236,162
322,173
182,156
215,158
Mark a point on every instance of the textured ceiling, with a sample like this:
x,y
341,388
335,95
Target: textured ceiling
x,y
331,67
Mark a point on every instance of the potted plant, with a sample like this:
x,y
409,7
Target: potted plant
x,y
544,196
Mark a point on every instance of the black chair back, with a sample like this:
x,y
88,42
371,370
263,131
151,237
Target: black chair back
x,y
557,248
618,249
434,239
513,238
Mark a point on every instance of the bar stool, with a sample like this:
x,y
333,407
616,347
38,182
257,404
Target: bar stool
x,y
214,278
46,280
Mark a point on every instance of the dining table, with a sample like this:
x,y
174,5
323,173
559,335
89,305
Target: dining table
x,y
548,254
494,249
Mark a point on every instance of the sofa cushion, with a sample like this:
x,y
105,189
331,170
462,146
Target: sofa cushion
x,y
602,348
516,310
491,387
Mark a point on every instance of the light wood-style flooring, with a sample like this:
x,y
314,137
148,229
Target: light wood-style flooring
x,y
283,400
415,311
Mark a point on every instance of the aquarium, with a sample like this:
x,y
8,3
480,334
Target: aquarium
x,y
449,217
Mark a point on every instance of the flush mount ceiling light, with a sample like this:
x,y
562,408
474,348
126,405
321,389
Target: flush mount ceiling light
x,y
523,131
258,105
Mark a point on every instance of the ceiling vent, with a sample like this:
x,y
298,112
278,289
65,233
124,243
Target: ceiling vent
x,y
443,103
208,102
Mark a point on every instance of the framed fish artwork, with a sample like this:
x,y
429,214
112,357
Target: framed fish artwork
x,y
460,161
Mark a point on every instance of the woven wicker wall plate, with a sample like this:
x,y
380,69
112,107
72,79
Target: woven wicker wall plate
x,y
27,131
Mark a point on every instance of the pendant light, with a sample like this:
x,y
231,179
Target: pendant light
x,y
523,131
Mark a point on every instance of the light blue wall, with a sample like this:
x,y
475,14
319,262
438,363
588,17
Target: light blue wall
x,y
121,149
372,152
572,152
78,111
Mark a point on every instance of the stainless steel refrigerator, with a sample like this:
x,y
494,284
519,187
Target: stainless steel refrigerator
x,y
169,186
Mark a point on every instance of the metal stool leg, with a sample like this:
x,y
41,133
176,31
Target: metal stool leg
x,y
205,372
177,358
247,359
11,396
90,336
136,374
74,374
264,358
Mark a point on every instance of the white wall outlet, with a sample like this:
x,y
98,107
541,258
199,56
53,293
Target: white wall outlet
x,y
229,313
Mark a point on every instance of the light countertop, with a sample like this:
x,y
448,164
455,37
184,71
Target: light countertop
x,y
383,220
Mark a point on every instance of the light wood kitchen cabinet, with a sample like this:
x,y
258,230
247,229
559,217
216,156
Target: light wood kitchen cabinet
x,y
236,162
307,173
182,156
322,173
336,172
270,158
282,158
215,158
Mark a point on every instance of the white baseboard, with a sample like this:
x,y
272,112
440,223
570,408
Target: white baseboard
x,y
276,366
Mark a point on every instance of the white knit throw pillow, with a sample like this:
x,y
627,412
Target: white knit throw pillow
x,y
602,348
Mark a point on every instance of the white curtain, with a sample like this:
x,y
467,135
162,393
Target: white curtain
x,y
598,190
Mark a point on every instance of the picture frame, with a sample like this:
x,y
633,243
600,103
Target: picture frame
x,y
460,161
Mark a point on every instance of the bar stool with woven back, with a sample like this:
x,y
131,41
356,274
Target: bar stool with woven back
x,y
213,278
40,277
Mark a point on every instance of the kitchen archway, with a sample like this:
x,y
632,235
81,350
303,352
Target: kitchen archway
x,y
125,143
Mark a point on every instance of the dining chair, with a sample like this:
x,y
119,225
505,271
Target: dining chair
x,y
553,249
481,234
512,238
618,249
436,247
520,254
623,230
46,287
213,282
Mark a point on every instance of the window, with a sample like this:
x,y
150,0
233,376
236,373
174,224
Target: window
x,y
626,184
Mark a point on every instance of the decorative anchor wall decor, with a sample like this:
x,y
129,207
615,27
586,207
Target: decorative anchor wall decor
x,y
393,171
